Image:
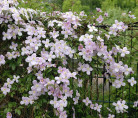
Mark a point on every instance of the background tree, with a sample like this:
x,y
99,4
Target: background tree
x,y
73,5
56,4
92,3
123,4
42,5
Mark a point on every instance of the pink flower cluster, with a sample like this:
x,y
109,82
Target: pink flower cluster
x,y
45,45
85,68
92,106
117,27
7,86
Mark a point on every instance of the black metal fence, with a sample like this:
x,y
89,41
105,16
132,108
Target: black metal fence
x,y
100,88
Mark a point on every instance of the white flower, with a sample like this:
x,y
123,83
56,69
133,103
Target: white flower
x,y
6,36
135,104
118,83
54,102
132,81
88,69
13,46
75,100
5,90
92,106
85,68
59,79
46,42
92,28
99,38
50,24
97,107
16,78
111,116
127,70
79,82
124,51
61,105
87,101
9,82
120,106
82,38
51,56
2,60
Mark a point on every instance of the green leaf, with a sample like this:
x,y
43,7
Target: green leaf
x,y
13,67
7,72
7,110
89,116
19,60
49,70
18,111
10,105
20,107
80,111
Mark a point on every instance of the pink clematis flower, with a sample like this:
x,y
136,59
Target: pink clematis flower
x,y
99,19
